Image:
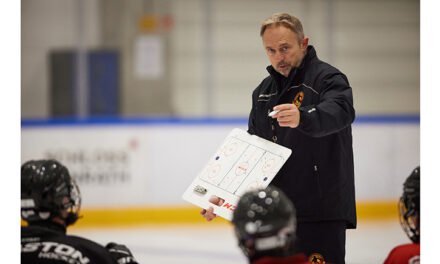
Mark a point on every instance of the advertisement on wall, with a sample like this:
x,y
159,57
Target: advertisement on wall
x,y
104,162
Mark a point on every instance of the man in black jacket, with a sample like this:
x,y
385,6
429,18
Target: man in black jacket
x,y
307,105
50,201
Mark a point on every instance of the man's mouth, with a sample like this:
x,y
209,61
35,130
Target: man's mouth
x,y
282,66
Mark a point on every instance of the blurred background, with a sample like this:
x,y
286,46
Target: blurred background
x,y
135,96
204,57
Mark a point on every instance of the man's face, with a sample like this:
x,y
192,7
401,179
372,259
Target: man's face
x,y
283,49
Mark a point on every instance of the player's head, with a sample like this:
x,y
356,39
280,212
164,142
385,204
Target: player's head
x,y
48,192
265,223
409,206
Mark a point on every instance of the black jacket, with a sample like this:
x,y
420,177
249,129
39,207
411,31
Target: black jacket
x,y
319,175
48,243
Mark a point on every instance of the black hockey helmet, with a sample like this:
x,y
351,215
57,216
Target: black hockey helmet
x,y
265,223
47,190
409,206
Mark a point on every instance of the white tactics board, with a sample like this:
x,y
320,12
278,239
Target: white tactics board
x,y
243,162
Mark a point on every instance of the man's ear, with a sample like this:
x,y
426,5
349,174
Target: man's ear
x,y
304,43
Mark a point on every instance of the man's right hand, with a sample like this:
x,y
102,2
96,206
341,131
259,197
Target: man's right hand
x,y
209,213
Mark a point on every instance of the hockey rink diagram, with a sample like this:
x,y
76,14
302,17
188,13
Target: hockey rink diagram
x,y
241,166
243,162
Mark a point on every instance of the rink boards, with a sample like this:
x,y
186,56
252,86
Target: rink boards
x,y
144,167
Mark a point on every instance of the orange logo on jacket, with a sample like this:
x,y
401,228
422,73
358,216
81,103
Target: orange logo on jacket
x,y
298,99
316,258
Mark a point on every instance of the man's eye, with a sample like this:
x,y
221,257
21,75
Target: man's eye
x,y
284,48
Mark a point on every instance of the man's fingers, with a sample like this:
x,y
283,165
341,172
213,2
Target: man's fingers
x,y
285,110
288,123
210,214
285,116
286,113
283,107
288,118
216,200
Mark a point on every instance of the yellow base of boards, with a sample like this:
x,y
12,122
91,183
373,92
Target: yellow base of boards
x,y
136,216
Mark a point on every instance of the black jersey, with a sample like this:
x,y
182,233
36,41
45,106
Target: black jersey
x,y
48,243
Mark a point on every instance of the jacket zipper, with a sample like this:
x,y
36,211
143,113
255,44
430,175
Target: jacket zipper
x,y
316,174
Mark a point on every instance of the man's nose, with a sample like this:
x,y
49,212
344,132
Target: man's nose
x,y
279,57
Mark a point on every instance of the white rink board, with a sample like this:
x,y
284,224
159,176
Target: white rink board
x,y
243,162
152,165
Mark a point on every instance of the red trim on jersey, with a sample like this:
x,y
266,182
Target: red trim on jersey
x,y
295,259
403,254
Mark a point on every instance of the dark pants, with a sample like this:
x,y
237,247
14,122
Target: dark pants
x,y
326,238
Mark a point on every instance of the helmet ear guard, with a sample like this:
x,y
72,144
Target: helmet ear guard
x,y
409,220
48,191
74,205
409,206
71,218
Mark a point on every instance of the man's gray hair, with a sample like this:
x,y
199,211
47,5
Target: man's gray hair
x,y
286,20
